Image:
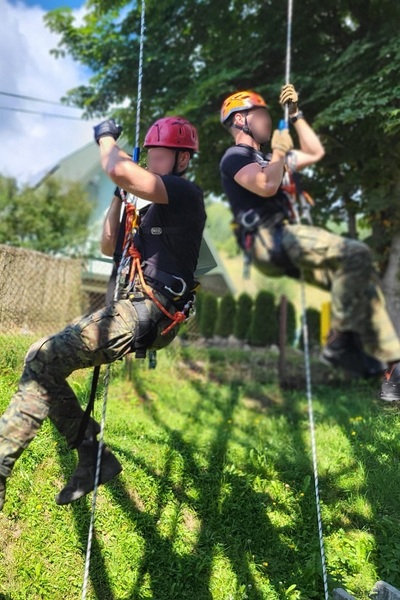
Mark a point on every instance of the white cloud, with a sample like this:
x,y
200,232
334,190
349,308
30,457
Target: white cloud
x,y
32,143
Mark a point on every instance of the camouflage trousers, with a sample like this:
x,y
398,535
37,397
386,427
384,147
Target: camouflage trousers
x,y
345,267
100,338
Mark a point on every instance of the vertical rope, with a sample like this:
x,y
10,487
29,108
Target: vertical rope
x,y
136,151
288,52
305,340
312,435
135,157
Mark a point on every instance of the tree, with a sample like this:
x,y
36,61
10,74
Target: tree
x,y
243,316
313,317
345,63
209,314
264,324
52,218
226,316
290,323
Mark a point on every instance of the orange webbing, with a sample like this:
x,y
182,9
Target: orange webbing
x,y
136,268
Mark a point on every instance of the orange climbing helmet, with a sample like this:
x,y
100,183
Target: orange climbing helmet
x,y
172,132
240,101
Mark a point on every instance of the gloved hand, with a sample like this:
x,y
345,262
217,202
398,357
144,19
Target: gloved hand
x,y
282,141
107,128
290,97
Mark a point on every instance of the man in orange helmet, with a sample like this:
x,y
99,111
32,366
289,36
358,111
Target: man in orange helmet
x,y
169,240
363,339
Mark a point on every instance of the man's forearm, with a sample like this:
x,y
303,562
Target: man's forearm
x,y
111,227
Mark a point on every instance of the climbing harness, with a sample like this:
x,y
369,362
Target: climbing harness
x,y
306,344
299,201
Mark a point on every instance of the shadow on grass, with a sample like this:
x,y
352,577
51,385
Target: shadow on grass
x,y
233,521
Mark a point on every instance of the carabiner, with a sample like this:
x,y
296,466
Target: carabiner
x,y
173,292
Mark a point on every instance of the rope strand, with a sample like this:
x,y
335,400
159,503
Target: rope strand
x,y
121,266
305,340
312,436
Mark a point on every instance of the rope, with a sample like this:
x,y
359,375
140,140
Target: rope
x,y
305,340
136,151
121,265
312,435
288,52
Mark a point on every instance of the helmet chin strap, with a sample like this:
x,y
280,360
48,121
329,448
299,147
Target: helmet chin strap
x,y
246,129
175,167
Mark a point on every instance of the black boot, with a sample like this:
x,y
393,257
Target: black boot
x,y
2,491
82,479
390,388
344,350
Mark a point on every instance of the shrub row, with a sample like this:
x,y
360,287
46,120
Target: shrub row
x,y
253,321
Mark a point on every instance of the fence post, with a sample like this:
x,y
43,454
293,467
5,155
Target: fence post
x,y
282,339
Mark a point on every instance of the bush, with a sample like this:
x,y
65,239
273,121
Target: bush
x,y
264,326
209,313
313,317
226,316
198,306
243,316
290,322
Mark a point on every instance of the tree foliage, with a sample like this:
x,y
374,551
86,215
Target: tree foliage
x,y
345,60
226,316
264,324
243,316
52,218
209,314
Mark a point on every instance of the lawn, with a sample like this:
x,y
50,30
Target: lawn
x,y
216,500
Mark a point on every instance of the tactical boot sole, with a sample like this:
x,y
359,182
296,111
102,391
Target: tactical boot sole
x,y
390,392
82,480
355,362
2,491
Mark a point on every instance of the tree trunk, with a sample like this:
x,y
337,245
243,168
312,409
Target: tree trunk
x,y
391,282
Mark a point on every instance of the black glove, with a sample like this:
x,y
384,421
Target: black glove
x,y
107,128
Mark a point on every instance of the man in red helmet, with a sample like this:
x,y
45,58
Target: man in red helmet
x,y
363,339
169,241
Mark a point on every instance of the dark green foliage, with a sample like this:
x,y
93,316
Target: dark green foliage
x,y
291,323
197,55
264,326
313,317
209,314
226,316
52,218
243,316
198,305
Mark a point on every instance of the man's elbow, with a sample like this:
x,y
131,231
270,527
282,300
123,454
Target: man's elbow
x,y
107,247
270,190
320,154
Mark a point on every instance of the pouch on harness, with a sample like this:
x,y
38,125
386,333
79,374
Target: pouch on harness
x,y
249,227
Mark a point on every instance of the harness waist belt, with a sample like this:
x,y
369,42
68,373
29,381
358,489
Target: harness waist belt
x,y
173,286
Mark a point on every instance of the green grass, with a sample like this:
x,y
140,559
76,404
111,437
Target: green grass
x,y
216,500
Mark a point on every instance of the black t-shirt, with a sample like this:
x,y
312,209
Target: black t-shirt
x,y
240,199
176,253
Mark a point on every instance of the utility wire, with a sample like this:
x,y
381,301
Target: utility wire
x,y
34,99
43,114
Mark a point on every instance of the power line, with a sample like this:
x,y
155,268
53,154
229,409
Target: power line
x,y
34,99
42,114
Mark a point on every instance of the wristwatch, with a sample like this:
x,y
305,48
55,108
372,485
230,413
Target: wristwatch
x,y
296,117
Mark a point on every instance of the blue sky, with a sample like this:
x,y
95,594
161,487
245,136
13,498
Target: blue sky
x,y
33,141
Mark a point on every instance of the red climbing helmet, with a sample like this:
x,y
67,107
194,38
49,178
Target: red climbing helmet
x,y
172,132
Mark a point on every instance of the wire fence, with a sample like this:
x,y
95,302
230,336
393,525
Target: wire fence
x,y
40,294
